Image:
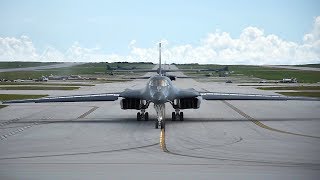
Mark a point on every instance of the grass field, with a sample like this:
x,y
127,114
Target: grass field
x,y
44,84
309,65
6,97
291,88
39,87
257,85
261,72
306,94
83,69
19,64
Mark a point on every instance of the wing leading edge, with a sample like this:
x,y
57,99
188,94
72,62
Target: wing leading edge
x,y
75,98
237,96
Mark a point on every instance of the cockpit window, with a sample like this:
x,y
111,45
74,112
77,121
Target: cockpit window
x,y
159,82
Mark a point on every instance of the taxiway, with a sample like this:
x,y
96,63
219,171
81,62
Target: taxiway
x,y
221,140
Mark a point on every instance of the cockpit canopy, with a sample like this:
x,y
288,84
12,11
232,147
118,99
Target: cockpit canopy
x,y
159,82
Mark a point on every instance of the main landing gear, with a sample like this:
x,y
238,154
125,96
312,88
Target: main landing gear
x,y
177,115
142,115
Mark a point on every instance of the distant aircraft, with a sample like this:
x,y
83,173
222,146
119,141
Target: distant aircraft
x,y
159,90
288,80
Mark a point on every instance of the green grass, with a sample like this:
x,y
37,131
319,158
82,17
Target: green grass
x,y
38,88
44,84
2,106
83,69
264,72
199,66
24,74
19,64
306,94
259,85
7,97
309,65
302,76
291,88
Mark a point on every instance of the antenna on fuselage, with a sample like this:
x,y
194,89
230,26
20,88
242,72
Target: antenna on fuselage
x,y
160,73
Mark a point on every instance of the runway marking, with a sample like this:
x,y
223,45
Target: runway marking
x,y
8,122
20,130
163,141
260,124
17,131
88,112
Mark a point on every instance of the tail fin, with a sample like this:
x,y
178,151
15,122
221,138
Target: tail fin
x,y
108,67
160,69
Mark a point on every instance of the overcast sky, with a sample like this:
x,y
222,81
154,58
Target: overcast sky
x,y
207,31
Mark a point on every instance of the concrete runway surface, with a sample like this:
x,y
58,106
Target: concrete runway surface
x,y
37,68
221,140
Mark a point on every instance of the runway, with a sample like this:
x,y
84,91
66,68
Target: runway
x,y
37,68
221,140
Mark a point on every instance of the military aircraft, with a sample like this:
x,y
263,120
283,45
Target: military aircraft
x,y
164,72
159,90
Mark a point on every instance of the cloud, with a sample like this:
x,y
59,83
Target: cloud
x,y
17,49
78,53
314,35
252,46
52,55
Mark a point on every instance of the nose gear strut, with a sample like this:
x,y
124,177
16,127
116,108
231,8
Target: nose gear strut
x,y
160,122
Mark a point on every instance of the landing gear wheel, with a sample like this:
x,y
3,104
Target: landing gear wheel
x,y
138,116
181,116
174,116
146,116
156,124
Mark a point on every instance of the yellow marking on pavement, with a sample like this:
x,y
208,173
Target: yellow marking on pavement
x,y
88,112
260,124
163,141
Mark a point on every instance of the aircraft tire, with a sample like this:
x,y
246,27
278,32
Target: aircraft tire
x,y
181,116
138,116
156,125
174,116
146,116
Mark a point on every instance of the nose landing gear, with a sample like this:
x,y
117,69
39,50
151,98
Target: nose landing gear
x,y
160,122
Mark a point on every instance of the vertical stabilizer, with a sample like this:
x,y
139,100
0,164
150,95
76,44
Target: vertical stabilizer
x,y
160,69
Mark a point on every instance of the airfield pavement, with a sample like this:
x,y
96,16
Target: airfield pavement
x,y
37,68
221,140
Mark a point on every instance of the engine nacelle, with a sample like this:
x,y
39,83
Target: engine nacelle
x,y
187,103
131,103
